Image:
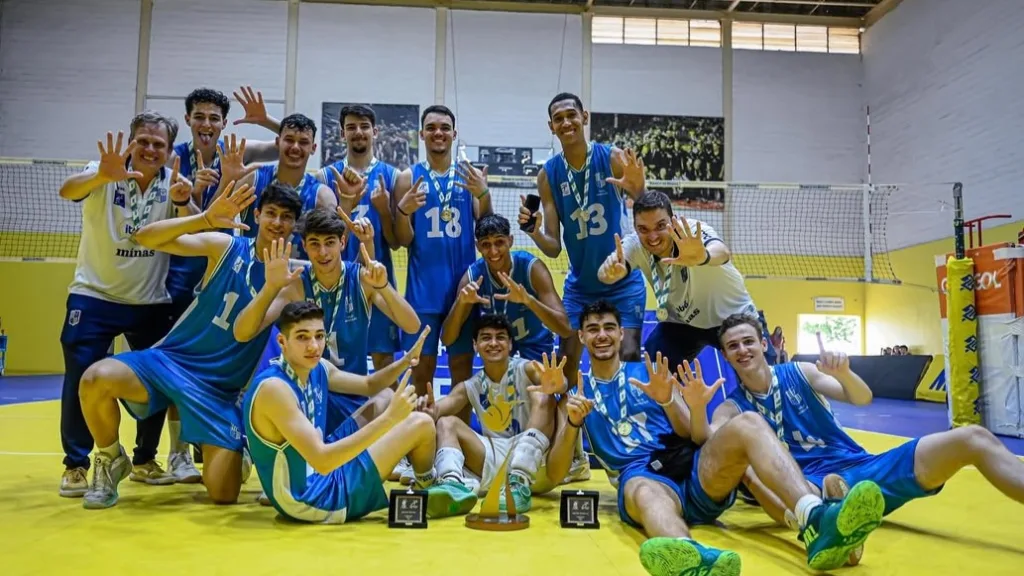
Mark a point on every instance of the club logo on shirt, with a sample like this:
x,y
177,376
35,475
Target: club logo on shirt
x,y
74,317
134,253
797,400
119,197
565,189
237,266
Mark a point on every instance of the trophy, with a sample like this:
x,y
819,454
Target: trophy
x,y
490,517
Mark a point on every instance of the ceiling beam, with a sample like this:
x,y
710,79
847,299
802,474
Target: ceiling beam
x,y
879,11
817,3
733,6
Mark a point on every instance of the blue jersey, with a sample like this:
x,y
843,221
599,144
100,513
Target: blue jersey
x,y
307,190
382,252
527,329
625,426
346,317
588,232
202,339
441,251
291,484
812,433
184,273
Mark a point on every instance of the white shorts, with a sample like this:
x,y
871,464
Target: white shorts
x,y
495,452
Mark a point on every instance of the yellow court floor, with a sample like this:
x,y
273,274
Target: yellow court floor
x,y
969,529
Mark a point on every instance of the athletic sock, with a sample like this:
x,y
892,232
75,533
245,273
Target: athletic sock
x,y
528,453
112,451
804,506
448,464
174,432
425,479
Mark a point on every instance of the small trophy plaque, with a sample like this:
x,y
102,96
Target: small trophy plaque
x,y
490,517
579,509
407,509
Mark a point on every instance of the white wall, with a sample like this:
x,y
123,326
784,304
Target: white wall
x,y
671,80
503,69
798,117
944,82
67,75
367,54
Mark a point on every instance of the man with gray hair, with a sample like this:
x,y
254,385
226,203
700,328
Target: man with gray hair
x,y
118,286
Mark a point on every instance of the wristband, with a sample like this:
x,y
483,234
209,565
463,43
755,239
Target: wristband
x,y
671,399
569,420
707,257
379,287
402,212
185,203
484,193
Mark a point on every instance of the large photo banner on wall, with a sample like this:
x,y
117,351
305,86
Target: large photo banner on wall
x,y
688,148
398,140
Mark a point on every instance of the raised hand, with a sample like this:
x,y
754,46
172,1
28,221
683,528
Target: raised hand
x,y
414,199
831,363
577,405
374,272
252,103
181,188
633,174
469,293
550,375
205,177
525,215
361,228
414,353
516,293
660,380
696,393
349,186
690,249
473,179
275,264
224,211
403,401
232,159
426,403
380,198
113,162
617,269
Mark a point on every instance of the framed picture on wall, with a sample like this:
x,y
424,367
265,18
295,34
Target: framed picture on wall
x,y
397,142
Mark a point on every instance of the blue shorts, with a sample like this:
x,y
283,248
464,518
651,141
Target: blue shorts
x,y
462,345
530,351
893,471
209,415
534,351
341,407
698,507
382,336
629,297
364,489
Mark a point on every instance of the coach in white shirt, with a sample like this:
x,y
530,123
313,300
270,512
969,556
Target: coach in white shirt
x,y
688,268
119,286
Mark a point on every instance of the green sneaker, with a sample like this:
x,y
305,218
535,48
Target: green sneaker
x,y
449,498
522,496
681,557
837,528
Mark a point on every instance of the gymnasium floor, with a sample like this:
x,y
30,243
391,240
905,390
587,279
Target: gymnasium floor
x,y
968,529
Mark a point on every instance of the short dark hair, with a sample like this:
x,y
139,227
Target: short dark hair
x,y
298,122
283,195
493,321
738,320
599,308
207,96
562,96
436,109
359,111
321,221
295,312
651,201
492,225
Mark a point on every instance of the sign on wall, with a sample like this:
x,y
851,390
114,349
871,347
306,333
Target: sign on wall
x,y
687,148
829,304
398,140
507,161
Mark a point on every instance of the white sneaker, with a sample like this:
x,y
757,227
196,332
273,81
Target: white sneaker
x,y
106,475
579,471
74,483
404,472
183,468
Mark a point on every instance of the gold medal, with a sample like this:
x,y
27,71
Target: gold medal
x,y
446,215
624,428
662,314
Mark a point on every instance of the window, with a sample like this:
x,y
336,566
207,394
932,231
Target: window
x,y
844,40
780,37
651,31
812,39
606,30
791,38
747,36
839,333
705,33
640,31
673,32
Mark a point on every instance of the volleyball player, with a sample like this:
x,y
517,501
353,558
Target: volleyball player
x,y
640,428
516,415
689,269
313,473
119,285
793,399
199,366
436,206
358,125
582,203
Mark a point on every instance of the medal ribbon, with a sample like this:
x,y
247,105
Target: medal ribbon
x,y
662,284
324,295
140,212
443,196
495,286
308,404
584,198
621,393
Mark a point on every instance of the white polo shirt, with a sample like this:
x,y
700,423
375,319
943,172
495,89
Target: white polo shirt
x,y
700,296
111,266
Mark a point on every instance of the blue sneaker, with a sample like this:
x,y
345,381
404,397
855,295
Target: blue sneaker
x,y
681,557
837,528
449,498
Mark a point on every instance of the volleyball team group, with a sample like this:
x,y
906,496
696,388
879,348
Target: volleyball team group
x,y
254,295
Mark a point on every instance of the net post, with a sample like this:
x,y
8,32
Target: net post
x,y
866,212
958,219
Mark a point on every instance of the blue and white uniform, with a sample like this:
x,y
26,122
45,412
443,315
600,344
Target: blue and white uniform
x,y
591,211
803,420
384,337
119,287
626,428
199,366
307,191
293,487
439,255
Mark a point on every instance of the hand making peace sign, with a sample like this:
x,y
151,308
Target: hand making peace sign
x,y
550,375
113,162
690,249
